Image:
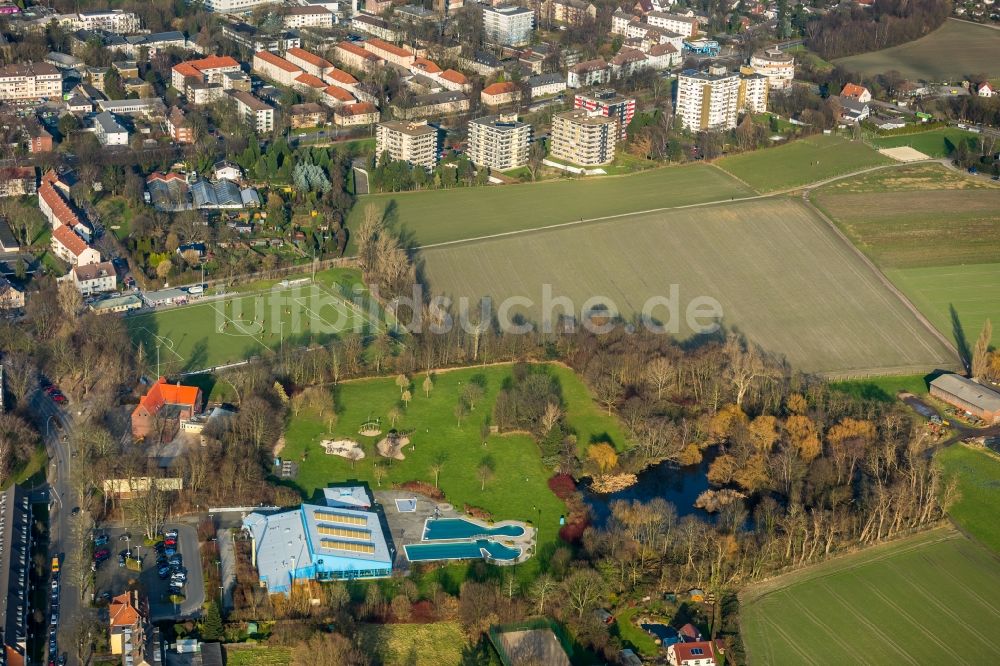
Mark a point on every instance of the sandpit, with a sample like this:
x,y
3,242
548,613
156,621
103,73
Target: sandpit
x,y
345,448
392,447
904,154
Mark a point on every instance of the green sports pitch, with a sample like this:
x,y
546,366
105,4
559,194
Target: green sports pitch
x,y
219,330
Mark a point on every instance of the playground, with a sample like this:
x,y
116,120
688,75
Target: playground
x,y
220,330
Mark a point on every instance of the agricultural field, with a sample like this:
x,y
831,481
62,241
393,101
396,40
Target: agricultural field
x,y
883,389
517,487
436,644
442,216
933,231
978,475
809,160
910,601
214,331
933,143
781,276
953,52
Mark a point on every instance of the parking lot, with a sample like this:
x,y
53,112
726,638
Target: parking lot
x,y
113,579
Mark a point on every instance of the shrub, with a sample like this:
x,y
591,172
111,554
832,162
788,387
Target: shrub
x,y
423,488
476,512
562,486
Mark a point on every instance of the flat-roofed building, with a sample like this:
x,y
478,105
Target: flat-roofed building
x,y
30,81
584,138
776,65
708,100
15,573
508,26
754,91
607,103
499,142
413,142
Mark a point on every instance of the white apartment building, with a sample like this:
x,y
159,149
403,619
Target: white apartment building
x,y
112,20
108,131
30,81
310,16
309,63
94,278
499,142
253,111
584,138
276,68
776,65
233,6
413,141
682,25
754,90
708,100
508,26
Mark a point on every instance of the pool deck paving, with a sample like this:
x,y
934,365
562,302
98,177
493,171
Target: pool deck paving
x,y
407,527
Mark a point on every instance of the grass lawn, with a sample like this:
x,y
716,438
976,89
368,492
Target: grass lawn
x,y
953,52
882,389
780,275
518,481
437,644
970,292
116,215
634,637
258,656
214,332
801,162
439,216
911,601
933,143
978,473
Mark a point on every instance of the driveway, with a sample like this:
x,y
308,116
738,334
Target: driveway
x,y
227,555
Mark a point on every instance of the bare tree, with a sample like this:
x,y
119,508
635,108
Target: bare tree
x,y
981,352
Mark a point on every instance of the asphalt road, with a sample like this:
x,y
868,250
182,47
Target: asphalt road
x,y
54,424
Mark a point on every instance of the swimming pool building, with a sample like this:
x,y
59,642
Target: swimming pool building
x,y
340,540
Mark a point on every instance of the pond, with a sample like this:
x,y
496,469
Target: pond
x,y
678,485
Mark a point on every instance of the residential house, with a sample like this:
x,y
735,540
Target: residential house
x,y
178,127
852,110
309,62
544,85
376,26
856,92
33,81
698,653
94,278
361,113
355,57
500,94
685,26
454,80
40,141
335,96
275,68
52,201
254,112
588,73
206,70
226,170
390,52
17,181
985,89
163,408
11,298
567,12
307,83
434,104
128,629
310,114
71,248
309,16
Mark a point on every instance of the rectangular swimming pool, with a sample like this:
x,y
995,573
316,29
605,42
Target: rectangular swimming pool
x,y
459,550
459,528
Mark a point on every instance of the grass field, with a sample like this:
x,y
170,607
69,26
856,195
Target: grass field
x,y
214,332
632,636
970,291
951,53
781,276
933,231
911,601
801,162
439,216
933,143
437,644
259,656
978,473
882,389
519,480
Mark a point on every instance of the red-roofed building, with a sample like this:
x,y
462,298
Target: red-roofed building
x,y
308,62
336,96
856,92
355,57
985,89
700,653
339,77
308,82
56,209
127,628
454,80
205,70
362,113
41,141
163,408
71,248
499,94
390,52
424,66
275,67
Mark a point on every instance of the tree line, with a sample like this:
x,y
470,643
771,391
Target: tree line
x,y
851,28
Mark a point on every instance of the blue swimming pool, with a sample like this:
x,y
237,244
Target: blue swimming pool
x,y
459,528
459,550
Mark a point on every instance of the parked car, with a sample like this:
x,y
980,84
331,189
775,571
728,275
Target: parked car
x,y
59,399
101,539
102,554
170,534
